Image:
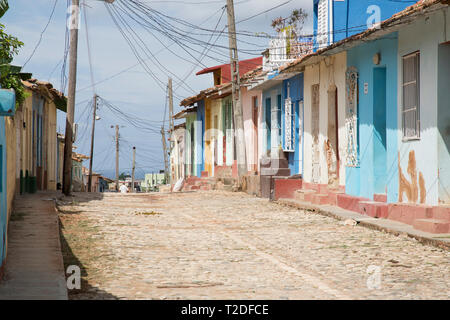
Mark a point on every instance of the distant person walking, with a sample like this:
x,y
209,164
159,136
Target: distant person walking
x,y
123,189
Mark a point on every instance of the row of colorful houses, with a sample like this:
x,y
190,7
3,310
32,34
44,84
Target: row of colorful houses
x,y
359,119
31,150
29,157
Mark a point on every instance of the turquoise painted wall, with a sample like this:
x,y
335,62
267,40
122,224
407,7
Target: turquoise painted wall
x,y
200,143
444,122
377,172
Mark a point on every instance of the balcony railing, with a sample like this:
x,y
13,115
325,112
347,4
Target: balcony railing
x,y
283,50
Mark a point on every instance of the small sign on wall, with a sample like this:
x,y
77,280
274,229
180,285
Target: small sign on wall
x,y
366,88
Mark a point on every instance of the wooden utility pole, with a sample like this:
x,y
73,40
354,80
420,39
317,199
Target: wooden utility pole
x,y
166,162
91,160
236,92
70,115
133,169
171,121
172,126
117,158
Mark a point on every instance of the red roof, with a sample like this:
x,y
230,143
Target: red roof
x,y
244,67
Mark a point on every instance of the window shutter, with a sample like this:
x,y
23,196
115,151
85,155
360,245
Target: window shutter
x,y
411,96
322,24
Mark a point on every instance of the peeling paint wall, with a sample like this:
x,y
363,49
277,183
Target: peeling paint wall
x,y
250,128
410,187
330,145
425,35
320,156
51,140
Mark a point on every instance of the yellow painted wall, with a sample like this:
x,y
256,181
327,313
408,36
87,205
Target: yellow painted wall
x,y
60,159
23,140
26,116
10,132
51,141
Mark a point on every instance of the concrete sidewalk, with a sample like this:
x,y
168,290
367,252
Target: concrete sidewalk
x,y
34,266
389,226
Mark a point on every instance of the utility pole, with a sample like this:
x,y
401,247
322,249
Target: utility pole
x,y
171,121
67,167
91,160
117,158
73,26
236,92
166,162
133,169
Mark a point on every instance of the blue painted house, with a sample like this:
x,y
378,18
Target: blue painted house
x,y
200,143
384,96
335,20
292,114
375,171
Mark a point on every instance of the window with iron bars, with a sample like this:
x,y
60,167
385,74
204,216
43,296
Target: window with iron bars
x,y
411,96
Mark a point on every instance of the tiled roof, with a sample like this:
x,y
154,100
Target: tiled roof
x,y
79,157
46,88
225,88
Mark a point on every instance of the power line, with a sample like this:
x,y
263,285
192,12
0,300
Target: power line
x,y
88,45
42,34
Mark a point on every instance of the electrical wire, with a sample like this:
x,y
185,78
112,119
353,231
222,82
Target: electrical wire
x,y
42,34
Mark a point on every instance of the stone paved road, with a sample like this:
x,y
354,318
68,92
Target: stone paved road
x,y
218,245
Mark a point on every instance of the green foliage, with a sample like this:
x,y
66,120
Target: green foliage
x,y
9,75
12,81
9,46
295,21
4,6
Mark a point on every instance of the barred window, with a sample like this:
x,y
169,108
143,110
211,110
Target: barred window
x,y
411,96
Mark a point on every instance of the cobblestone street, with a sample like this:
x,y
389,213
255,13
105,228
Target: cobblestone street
x,y
218,245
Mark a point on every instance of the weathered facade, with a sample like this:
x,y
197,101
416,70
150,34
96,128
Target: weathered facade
x,y
37,150
376,120
28,147
7,157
